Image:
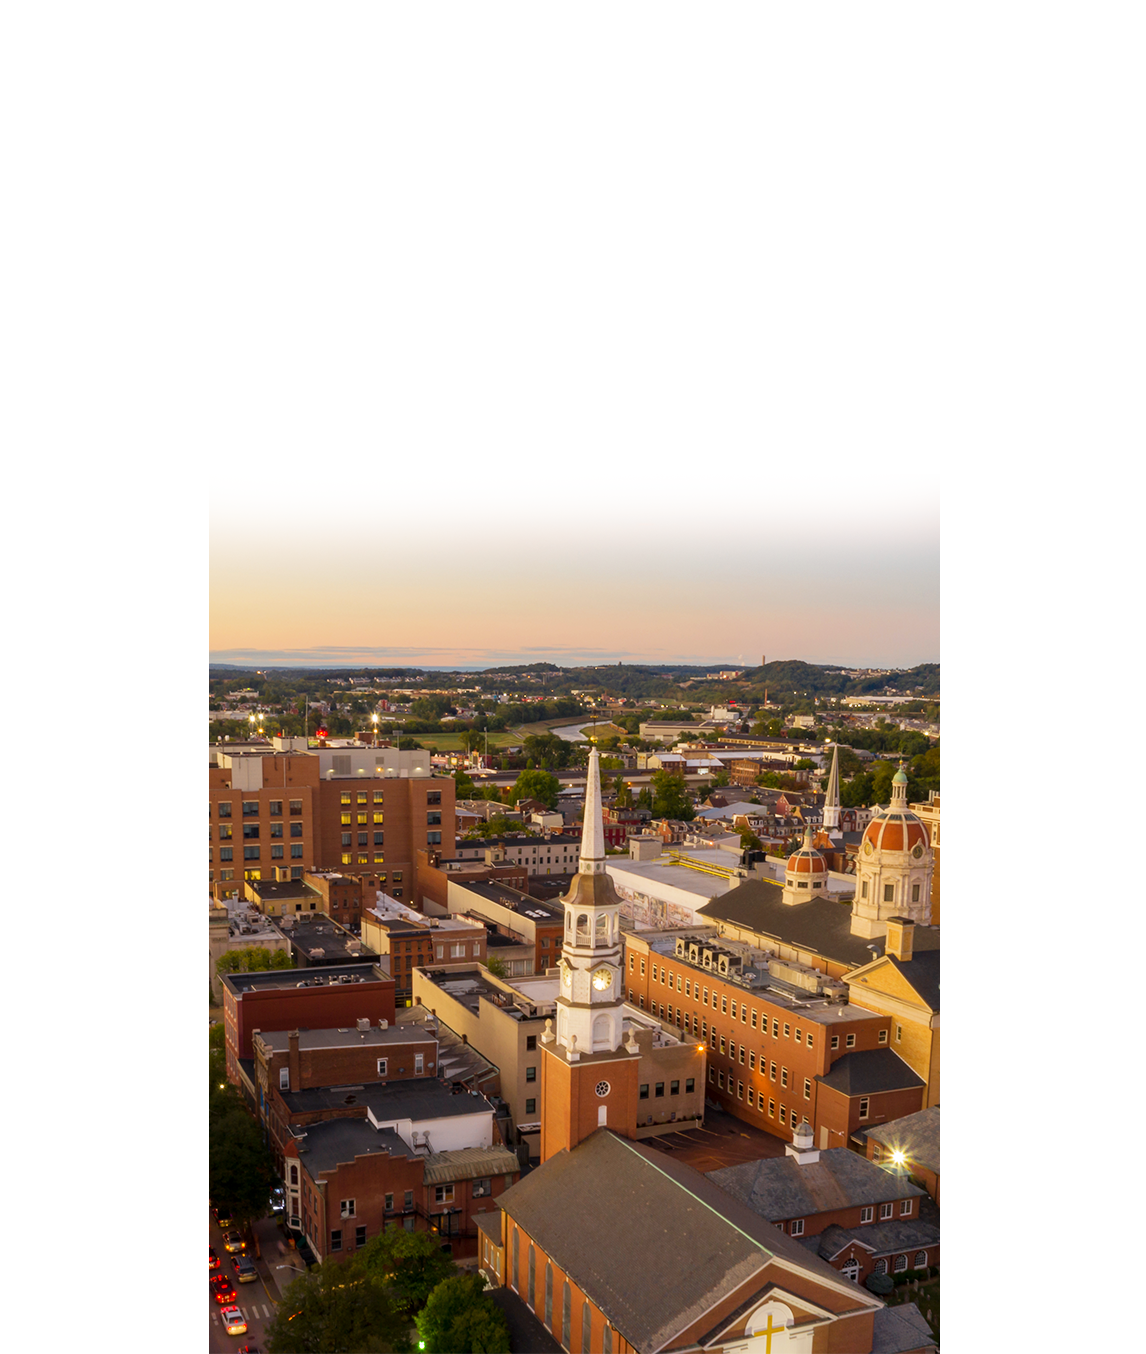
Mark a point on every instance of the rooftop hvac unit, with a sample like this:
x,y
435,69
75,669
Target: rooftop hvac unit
x,y
680,949
383,1024
364,1024
317,954
707,959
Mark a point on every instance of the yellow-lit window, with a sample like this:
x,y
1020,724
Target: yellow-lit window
x,y
363,818
378,796
364,860
362,796
346,858
379,860
378,815
346,819
345,797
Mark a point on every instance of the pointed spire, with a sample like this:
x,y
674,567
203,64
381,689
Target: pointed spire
x,y
832,798
593,832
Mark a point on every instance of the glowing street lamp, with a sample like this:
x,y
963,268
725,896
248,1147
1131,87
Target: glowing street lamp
x,y
374,717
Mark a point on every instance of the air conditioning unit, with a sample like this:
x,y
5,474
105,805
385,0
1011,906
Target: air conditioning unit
x,y
680,949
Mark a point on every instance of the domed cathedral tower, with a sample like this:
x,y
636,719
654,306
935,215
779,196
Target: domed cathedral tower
x,y
806,876
893,871
589,1078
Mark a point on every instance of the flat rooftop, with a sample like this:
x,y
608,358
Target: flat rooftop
x,y
661,871
415,1098
469,985
320,933
278,1041
507,896
304,977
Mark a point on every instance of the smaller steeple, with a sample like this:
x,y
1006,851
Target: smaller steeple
x,y
899,791
832,798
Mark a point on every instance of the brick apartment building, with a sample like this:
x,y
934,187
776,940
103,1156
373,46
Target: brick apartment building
x,y
282,815
508,912
369,1128
412,941
783,1044
287,999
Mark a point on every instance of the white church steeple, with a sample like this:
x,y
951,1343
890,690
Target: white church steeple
x,y
590,996
832,797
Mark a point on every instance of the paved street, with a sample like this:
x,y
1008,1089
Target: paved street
x,y
257,1301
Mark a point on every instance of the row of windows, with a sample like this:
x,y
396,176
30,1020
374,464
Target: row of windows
x,y
674,1088
889,892
360,796
252,853
251,808
682,1020
606,1346
251,831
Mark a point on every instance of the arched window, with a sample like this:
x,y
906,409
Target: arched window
x,y
586,1328
566,1311
850,1269
880,1267
548,1296
920,1260
607,1340
900,1264
513,1272
583,928
601,1032
532,1289
602,928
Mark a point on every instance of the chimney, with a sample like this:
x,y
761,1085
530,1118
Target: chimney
x,y
294,1062
900,937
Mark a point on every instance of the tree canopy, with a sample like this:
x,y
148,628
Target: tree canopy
x,y
240,1171
670,797
539,785
459,1316
340,1304
412,1264
252,959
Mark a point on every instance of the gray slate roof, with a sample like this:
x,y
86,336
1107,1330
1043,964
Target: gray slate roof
x,y
780,1187
881,1238
820,925
869,1071
675,1244
916,1134
899,1329
922,972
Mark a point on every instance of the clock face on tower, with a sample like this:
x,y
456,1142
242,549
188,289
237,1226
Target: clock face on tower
x,y
566,973
602,979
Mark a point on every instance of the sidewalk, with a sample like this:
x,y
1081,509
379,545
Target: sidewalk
x,y
278,1264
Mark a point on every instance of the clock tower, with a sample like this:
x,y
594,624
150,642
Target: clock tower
x,y
589,1075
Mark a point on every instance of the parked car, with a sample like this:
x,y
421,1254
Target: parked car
x,y
234,1322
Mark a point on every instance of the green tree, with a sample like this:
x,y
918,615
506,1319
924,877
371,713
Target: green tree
x,y
459,1316
252,959
497,966
670,797
411,1263
624,793
239,1166
338,1305
464,787
217,1060
537,785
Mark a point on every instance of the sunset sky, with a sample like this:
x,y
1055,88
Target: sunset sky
x,y
612,381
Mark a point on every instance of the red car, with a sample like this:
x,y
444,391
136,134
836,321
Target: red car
x,y
225,1296
213,1262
